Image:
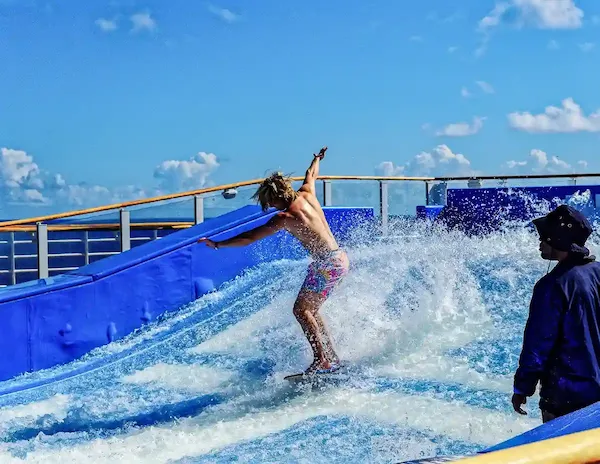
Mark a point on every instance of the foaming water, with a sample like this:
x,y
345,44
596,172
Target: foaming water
x,y
430,321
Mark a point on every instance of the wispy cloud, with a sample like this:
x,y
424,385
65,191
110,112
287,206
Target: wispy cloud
x,y
462,129
587,47
568,118
416,38
142,21
107,25
452,49
464,92
224,14
487,88
553,45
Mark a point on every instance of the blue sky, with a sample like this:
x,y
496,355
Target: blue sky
x,y
108,100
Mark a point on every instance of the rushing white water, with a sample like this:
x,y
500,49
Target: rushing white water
x,y
430,321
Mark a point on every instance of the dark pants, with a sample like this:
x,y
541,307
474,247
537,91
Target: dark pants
x,y
551,410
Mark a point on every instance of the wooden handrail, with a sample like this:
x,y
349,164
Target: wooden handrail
x,y
218,188
107,226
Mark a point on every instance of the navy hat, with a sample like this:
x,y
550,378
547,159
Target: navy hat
x,y
565,229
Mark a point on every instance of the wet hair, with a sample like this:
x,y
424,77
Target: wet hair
x,y
275,188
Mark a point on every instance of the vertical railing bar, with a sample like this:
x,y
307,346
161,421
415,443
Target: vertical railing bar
x,y
327,200
383,206
86,247
198,209
42,250
11,258
427,199
125,230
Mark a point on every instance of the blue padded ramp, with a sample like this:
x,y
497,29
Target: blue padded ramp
x,y
578,421
36,287
116,263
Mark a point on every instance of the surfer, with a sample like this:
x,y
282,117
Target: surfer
x,y
300,214
561,343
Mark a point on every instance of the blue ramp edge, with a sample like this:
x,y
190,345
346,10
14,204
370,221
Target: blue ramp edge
x,y
54,321
578,421
155,248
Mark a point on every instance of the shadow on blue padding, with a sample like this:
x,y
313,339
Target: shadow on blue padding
x,y
165,413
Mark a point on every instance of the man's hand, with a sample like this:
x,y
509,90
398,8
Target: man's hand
x,y
208,242
321,154
517,401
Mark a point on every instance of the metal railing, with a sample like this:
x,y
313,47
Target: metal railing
x,y
41,227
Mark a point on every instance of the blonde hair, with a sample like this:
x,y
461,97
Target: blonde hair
x,y
274,188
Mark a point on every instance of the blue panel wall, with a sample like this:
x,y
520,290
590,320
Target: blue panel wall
x,y
483,210
53,321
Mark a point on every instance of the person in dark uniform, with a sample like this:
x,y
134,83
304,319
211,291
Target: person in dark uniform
x,y
561,344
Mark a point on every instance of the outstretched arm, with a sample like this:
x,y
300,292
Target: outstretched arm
x,y
313,172
275,224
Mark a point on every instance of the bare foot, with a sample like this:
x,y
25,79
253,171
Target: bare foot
x,y
316,365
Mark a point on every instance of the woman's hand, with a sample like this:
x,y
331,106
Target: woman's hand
x,y
209,243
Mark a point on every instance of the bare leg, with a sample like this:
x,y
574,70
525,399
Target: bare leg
x,y
305,309
332,356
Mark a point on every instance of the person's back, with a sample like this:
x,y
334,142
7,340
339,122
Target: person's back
x,y
307,222
574,371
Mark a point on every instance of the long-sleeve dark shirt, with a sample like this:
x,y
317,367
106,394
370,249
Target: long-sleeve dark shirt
x,y
561,345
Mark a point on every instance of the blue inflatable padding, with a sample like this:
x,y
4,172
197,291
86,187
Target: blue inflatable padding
x,y
57,320
578,421
116,263
36,287
14,342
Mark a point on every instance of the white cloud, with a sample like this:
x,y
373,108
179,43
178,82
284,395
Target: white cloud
x,y
464,92
142,21
22,182
174,175
462,129
542,14
107,25
582,164
439,161
494,17
566,119
487,88
540,163
452,49
587,46
389,169
224,14
553,45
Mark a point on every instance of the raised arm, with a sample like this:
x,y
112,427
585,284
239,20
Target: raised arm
x,y
313,172
275,224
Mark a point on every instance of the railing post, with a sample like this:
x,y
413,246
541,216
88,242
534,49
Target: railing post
x,y
11,258
327,200
86,247
384,205
427,193
125,230
198,209
42,250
